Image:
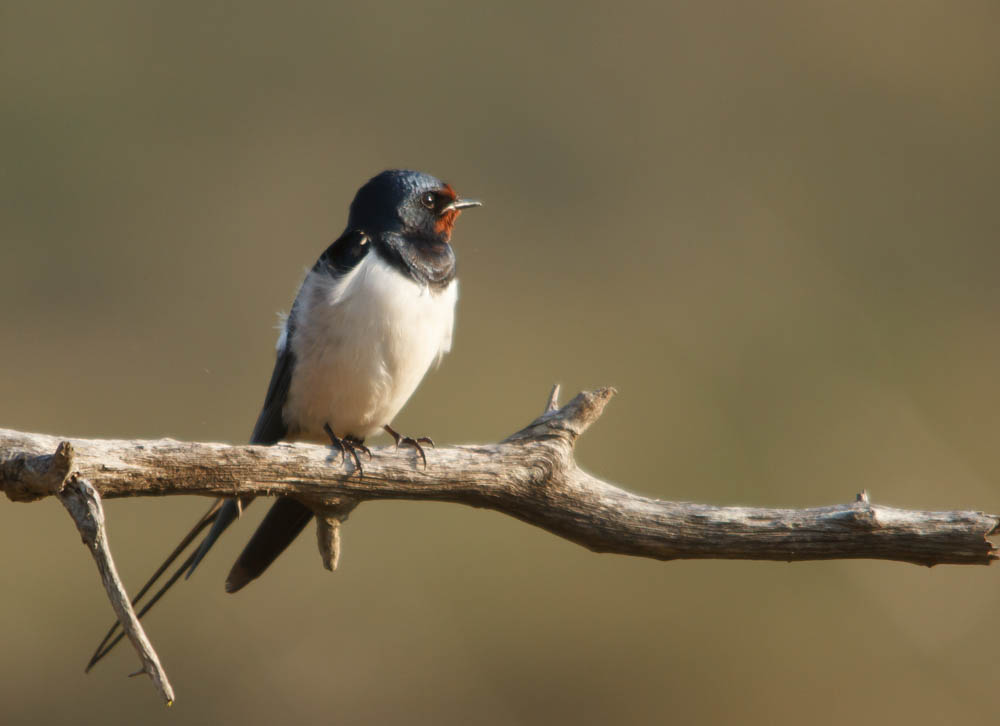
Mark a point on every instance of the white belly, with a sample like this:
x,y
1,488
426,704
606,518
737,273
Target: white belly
x,y
362,344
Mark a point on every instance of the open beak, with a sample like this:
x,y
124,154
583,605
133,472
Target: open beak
x,y
459,204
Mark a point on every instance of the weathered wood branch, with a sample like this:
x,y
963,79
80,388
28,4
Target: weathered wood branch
x,y
84,505
531,475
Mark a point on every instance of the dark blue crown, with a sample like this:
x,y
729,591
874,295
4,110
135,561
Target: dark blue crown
x,y
385,201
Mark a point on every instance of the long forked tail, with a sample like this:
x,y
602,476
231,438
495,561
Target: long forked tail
x,y
221,513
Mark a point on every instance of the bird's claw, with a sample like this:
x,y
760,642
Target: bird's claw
x,y
410,441
348,444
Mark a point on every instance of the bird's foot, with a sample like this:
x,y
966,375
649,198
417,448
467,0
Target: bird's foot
x,y
349,444
410,441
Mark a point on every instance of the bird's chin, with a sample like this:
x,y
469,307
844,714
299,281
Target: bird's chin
x,y
440,248
434,261
446,223
429,260
432,248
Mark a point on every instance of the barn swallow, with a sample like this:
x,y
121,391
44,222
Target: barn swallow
x,y
372,316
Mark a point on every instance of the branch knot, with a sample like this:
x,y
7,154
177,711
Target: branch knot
x,y
27,478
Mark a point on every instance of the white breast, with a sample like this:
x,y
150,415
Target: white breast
x,y
362,344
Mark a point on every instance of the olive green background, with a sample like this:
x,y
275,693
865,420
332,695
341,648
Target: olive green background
x,y
773,226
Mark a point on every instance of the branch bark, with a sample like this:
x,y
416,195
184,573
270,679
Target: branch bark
x,y
531,475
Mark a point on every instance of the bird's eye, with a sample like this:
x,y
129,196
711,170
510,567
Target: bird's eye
x,y
428,200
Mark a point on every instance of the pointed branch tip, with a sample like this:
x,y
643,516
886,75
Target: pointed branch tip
x,y
553,402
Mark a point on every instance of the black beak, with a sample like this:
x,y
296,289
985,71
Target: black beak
x,y
462,204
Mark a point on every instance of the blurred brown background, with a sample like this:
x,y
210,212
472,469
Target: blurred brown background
x,y
772,225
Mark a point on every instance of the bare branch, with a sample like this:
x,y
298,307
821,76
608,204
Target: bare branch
x,y
84,504
531,475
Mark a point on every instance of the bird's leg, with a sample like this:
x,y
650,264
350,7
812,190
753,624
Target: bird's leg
x,y
335,441
409,441
354,445
350,444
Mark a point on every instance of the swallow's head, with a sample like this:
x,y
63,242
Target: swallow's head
x,y
410,203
